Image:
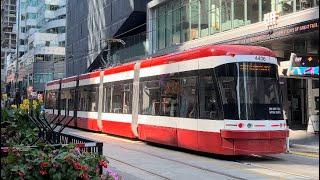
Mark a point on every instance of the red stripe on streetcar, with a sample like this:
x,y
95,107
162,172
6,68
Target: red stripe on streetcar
x,y
53,83
275,125
90,75
119,69
70,79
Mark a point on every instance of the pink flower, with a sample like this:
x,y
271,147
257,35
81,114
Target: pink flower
x,y
21,174
77,165
85,168
84,176
103,164
43,172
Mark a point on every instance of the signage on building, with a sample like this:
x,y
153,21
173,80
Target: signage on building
x,y
299,28
304,66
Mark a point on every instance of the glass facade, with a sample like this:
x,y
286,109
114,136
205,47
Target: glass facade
x,y
178,21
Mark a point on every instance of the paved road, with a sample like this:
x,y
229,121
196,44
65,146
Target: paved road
x,y
140,160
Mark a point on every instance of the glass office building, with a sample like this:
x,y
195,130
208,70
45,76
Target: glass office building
x,y
178,21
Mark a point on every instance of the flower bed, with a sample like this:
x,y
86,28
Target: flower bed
x,y
47,162
43,161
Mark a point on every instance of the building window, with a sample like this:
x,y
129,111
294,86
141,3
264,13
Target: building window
x,y
306,4
215,16
32,16
62,44
253,11
285,6
161,27
42,77
194,19
204,17
169,24
176,26
185,21
268,6
239,19
226,15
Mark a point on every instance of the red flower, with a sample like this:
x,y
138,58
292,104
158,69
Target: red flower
x,y
85,168
44,164
43,172
77,165
84,176
103,164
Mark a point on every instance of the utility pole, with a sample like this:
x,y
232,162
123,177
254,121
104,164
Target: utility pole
x,y
17,54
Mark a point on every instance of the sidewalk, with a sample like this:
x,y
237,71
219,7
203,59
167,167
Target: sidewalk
x,y
303,143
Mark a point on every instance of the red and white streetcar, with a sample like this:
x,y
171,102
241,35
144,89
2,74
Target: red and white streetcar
x,y
222,99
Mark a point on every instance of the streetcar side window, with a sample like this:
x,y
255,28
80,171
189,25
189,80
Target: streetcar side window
x,y
159,95
210,103
188,95
170,89
71,99
107,89
88,96
150,97
63,103
67,99
118,97
46,100
127,98
51,99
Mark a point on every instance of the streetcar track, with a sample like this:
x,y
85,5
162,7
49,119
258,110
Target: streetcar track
x,y
221,173
249,164
186,164
163,177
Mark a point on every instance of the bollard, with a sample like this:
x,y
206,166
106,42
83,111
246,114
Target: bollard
x,y
288,144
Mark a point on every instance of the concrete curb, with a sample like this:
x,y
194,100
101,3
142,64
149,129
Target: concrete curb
x,y
310,155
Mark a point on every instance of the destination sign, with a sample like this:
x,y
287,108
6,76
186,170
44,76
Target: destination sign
x,y
255,67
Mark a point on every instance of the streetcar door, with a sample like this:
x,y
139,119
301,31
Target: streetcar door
x,y
187,131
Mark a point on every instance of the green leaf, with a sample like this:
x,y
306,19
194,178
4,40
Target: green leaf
x,y
56,176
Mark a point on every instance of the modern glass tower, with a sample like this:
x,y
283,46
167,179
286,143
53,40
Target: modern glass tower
x,y
8,36
41,37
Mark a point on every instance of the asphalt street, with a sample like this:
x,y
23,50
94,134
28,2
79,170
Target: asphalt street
x,y
134,159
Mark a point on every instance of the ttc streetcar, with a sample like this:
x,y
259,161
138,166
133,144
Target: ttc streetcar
x,y
222,99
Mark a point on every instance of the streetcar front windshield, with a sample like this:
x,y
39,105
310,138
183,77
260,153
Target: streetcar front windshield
x,y
249,91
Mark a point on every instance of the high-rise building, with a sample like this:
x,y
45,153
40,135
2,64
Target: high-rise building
x,y
8,36
41,37
91,22
285,26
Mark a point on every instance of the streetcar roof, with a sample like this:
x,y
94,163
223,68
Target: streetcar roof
x,y
200,52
